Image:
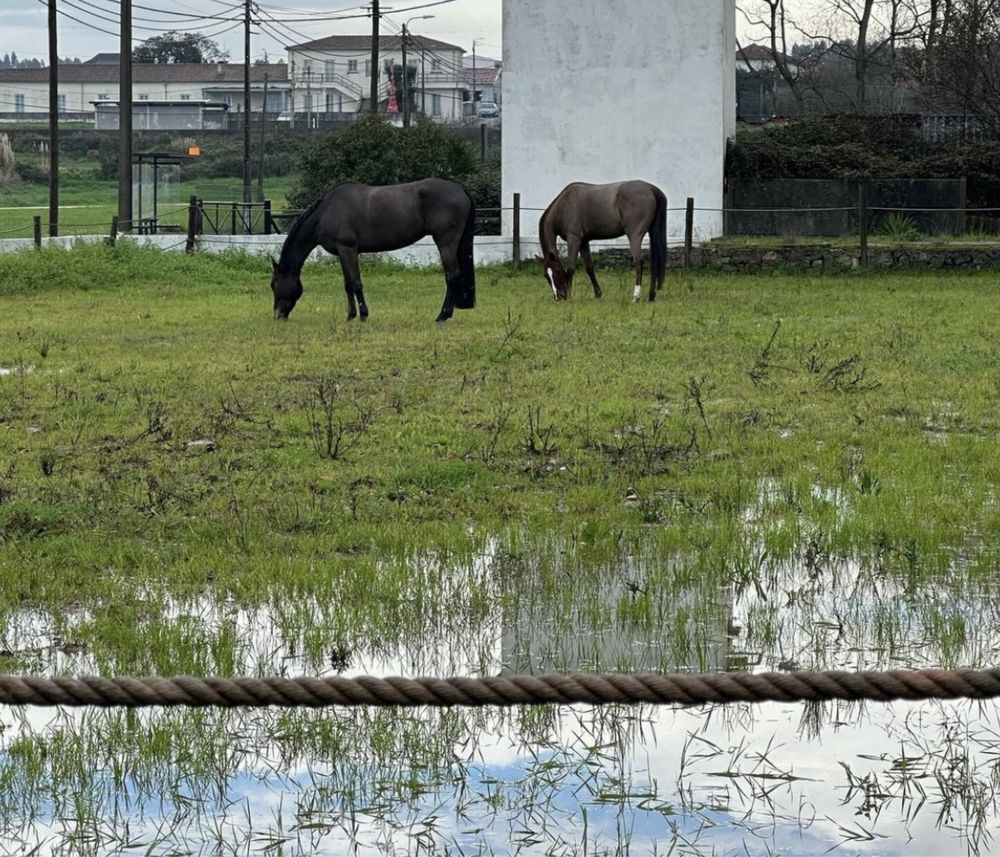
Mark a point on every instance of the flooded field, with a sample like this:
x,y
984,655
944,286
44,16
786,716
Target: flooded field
x,y
758,474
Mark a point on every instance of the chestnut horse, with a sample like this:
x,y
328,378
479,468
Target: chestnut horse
x,y
583,212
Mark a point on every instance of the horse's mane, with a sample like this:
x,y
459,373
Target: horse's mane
x,y
296,227
544,219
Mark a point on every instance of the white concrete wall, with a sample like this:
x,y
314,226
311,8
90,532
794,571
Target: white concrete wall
x,y
606,90
488,249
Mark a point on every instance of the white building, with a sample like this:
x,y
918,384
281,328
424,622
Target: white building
x,y
627,89
327,76
26,91
333,75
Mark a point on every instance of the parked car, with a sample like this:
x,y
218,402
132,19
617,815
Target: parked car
x,y
488,110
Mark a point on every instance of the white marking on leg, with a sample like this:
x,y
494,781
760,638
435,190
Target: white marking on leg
x,y
637,292
552,282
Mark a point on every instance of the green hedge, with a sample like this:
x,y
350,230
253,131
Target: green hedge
x,y
855,147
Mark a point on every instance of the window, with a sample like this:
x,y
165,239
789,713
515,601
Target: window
x,y
368,68
435,64
334,102
103,96
331,69
19,103
185,96
62,103
307,70
352,66
275,102
435,105
144,98
309,102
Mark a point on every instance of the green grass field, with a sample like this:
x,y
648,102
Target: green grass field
x,y
788,470
87,204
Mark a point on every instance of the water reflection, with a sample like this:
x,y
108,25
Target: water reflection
x,y
801,779
905,779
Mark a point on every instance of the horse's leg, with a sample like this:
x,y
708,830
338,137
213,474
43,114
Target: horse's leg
x,y
635,244
572,251
585,253
449,259
352,282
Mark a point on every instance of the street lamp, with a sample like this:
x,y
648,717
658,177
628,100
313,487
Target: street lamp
x,y
475,78
406,95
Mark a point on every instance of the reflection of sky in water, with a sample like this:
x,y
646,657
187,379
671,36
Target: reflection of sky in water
x,y
732,780
794,779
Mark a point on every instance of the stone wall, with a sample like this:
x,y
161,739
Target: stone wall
x,y
820,257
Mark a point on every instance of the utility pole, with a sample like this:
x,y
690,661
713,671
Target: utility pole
x,y
260,153
406,94
309,98
423,81
406,75
246,108
125,119
53,123
373,94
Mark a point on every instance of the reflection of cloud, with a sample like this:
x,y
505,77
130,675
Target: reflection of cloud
x,y
635,777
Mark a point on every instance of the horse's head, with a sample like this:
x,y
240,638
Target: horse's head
x,y
287,289
555,275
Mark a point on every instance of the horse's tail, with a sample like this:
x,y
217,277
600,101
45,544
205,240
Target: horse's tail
x,y
465,285
658,244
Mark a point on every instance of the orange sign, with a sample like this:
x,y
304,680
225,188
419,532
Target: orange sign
x,y
194,151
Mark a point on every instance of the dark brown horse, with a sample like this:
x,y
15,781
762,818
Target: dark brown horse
x,y
355,218
583,212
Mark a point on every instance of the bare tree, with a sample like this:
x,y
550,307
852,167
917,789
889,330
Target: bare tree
x,y
771,17
962,65
868,34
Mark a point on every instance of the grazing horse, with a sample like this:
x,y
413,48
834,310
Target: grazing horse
x,y
583,212
353,218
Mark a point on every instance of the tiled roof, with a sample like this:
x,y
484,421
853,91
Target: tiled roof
x,y
758,53
206,73
364,43
481,75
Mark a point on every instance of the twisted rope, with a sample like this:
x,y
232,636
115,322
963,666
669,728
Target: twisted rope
x,y
653,688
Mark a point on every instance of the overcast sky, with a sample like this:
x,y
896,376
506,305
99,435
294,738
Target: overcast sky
x,y
23,24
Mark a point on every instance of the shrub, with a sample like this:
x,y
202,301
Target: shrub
x,y
371,151
852,147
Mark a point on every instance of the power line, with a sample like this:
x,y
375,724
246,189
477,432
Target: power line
x,y
184,16
326,16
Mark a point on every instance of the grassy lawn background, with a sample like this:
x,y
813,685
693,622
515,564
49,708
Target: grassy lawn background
x,y
163,437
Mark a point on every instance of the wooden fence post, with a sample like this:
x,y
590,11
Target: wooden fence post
x,y
192,229
963,190
268,223
517,231
113,234
38,230
688,231
863,221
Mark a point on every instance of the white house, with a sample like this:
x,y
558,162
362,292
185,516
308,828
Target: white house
x,y
25,91
643,89
333,75
759,58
